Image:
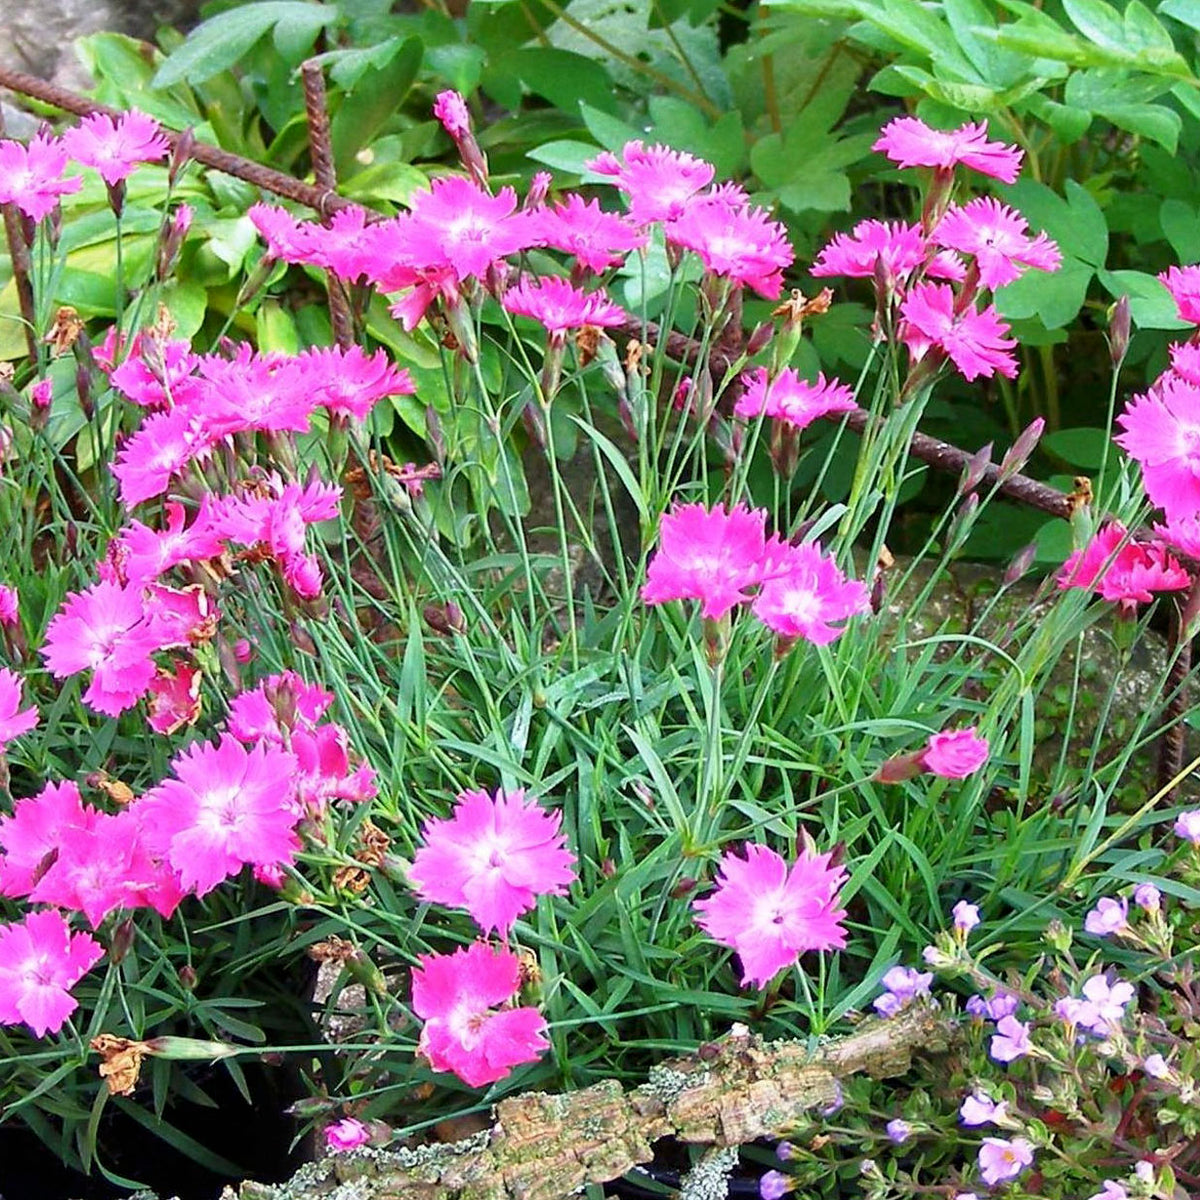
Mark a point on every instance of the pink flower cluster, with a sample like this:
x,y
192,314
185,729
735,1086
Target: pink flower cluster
x,y
982,244
493,857
32,175
198,402
1123,571
723,557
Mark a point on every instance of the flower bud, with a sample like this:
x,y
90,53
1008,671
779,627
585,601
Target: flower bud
x,y
1020,564
973,472
1118,332
759,339
445,619
1018,453
122,940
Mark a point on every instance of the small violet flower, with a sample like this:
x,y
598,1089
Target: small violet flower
x,y
773,1185
1156,1066
977,1109
904,985
1109,916
1011,1040
899,1131
1148,897
1001,1159
1110,1191
1187,826
966,917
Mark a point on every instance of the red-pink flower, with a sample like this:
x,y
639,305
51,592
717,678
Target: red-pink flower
x,y
115,147
457,224
164,446
287,238
712,556
31,836
14,721
451,109
346,1134
105,630
789,398
954,754
1123,572
349,383
174,698
659,181
1184,285
466,1031
805,595
1162,433
106,867
909,142
973,341
493,857
769,913
996,235
596,238
158,374
559,306
227,806
736,241
901,248
40,961
31,176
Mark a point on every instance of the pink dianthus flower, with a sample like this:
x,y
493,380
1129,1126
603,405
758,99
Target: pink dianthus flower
x,y
457,224
227,806
451,109
459,997
493,856
10,612
31,176
711,556
596,238
900,246
789,398
349,383
1162,433
660,182
559,306
14,720
1184,285
806,595
1123,572
955,754
996,235
115,146
909,142
32,834
40,961
106,630
346,1134
973,341
770,913
740,243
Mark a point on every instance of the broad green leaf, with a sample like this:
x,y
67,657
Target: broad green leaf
x,y
1054,297
1154,121
1069,124
969,97
1081,447
1187,12
1181,227
565,154
563,77
609,131
1150,304
997,67
373,101
220,41
1098,22
388,180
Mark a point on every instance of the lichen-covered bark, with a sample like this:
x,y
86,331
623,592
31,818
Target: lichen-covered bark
x,y
544,1147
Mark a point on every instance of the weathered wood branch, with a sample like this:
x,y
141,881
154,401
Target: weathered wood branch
x,y
544,1147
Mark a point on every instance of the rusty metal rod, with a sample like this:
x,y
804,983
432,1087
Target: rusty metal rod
x,y
325,173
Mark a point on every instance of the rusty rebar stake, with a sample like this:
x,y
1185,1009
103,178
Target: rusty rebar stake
x,y
325,173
